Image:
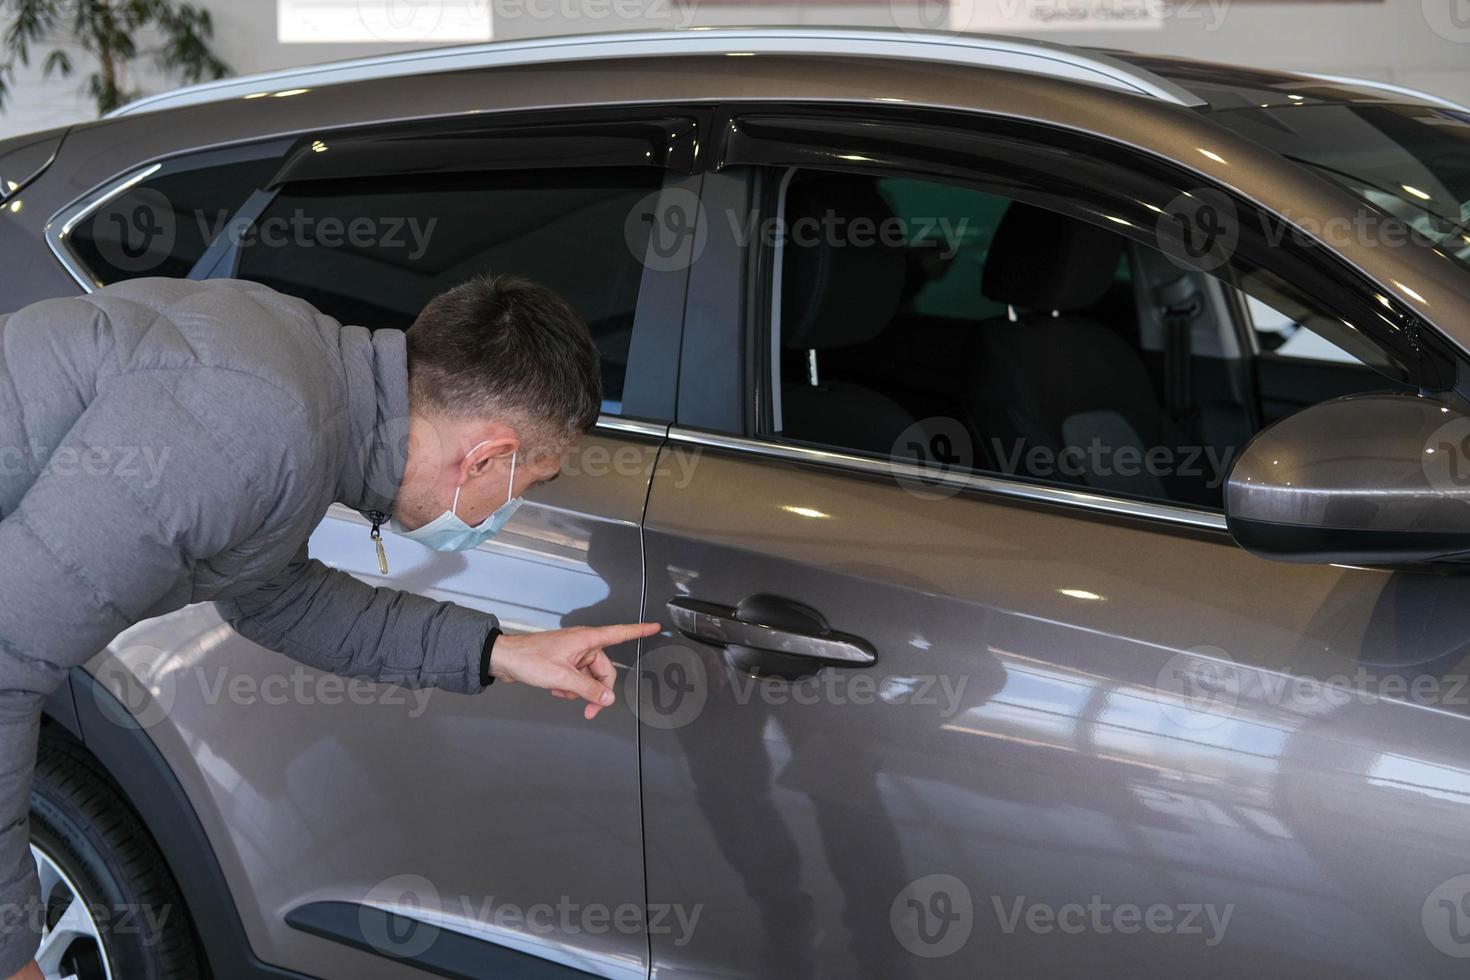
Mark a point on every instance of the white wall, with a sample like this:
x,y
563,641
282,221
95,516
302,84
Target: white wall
x,y
1412,42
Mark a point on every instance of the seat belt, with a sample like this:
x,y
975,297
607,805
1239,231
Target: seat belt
x,y
1181,305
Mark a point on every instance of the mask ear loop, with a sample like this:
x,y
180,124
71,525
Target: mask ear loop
x,y
509,491
454,505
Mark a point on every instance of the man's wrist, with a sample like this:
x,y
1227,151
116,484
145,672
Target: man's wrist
x,y
486,677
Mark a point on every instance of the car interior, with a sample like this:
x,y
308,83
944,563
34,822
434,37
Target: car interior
x,y
567,229
1068,352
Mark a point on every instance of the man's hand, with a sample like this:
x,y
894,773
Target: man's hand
x,y
569,663
29,972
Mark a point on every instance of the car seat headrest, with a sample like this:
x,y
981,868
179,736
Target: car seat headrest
x,y
1044,260
843,276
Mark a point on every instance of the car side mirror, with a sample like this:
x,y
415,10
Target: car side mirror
x,y
1378,479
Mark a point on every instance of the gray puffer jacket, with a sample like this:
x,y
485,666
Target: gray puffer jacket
x,y
165,442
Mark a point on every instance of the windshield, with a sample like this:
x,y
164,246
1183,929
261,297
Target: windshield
x,y
1411,162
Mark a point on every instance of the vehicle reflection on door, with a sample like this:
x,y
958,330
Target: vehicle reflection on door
x,y
1142,722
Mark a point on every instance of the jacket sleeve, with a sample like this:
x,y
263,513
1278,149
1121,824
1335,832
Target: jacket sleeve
x,y
98,542
329,620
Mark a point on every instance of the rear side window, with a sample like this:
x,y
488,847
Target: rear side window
x,y
934,322
161,225
373,250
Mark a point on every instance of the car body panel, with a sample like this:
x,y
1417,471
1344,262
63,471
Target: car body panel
x,y
305,783
1063,707
22,158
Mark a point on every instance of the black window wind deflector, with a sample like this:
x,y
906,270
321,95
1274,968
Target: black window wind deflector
x,y
1093,180
669,142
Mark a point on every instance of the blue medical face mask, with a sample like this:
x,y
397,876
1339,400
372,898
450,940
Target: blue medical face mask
x,y
448,532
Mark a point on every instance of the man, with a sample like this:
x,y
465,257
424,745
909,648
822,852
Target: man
x,y
257,412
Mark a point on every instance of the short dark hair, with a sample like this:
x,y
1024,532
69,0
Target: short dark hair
x,y
504,346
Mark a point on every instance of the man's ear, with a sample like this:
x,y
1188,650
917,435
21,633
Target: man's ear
x,y
487,454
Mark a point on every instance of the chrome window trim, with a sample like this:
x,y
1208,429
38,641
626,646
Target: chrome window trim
x,y
59,227
65,221
999,486
980,50
778,259
612,423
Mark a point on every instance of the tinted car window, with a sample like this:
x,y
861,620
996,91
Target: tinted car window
x,y
948,231
373,251
1281,335
932,322
161,225
1409,162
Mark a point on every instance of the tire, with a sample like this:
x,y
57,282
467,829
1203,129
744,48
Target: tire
x,y
90,845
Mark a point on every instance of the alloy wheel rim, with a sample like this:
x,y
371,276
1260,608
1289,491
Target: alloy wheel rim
x,y
71,942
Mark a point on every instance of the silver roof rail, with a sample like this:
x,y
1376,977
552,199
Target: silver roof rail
x,y
1404,90
982,50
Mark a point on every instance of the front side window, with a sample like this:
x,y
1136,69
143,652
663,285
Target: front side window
x,y
933,322
1279,334
373,250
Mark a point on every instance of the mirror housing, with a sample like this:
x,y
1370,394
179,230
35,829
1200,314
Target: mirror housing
x,y
1377,479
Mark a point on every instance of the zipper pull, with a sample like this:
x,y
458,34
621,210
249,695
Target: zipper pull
x,y
378,517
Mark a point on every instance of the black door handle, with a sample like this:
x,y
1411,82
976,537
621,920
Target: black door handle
x,y
766,634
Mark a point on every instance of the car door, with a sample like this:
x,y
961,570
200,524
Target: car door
x,y
368,831
911,716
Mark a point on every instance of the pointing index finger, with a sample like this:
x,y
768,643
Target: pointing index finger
x,y
606,636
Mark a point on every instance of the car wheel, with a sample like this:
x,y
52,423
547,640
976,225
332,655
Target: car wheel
x,y
112,909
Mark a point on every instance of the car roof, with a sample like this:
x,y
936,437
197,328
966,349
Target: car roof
x,y
1182,81
980,50
1224,87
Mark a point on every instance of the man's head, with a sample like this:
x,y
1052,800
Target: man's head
x,y
497,367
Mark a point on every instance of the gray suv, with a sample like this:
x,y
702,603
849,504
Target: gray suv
x,y
1049,467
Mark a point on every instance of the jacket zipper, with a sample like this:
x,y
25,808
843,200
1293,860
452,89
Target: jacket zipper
x,y
378,517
